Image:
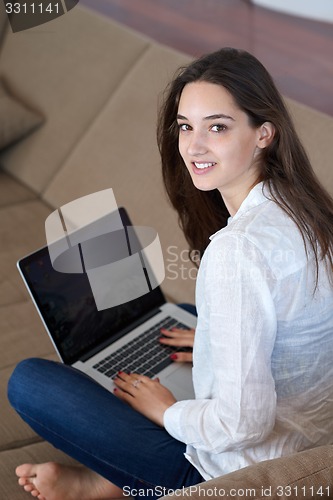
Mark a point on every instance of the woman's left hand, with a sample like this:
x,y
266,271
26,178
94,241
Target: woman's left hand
x,y
145,395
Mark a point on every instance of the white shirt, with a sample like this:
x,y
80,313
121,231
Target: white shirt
x,y
263,352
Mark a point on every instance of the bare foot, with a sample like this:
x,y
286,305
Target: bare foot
x,y
52,481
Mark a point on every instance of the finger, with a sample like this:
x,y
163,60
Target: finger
x,y
124,382
177,342
176,332
135,377
130,377
122,386
129,382
128,385
178,338
123,395
182,357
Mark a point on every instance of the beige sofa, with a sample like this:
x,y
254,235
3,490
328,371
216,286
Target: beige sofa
x,y
82,93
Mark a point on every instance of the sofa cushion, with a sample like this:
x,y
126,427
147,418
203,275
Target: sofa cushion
x,y
70,69
17,118
9,291
34,453
315,130
21,232
306,475
13,431
25,334
12,191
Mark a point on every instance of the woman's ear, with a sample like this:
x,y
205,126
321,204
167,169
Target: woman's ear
x,y
266,135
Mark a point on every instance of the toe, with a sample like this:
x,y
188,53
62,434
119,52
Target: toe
x,y
26,470
28,487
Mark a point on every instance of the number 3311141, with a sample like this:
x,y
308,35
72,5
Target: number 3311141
x,y
32,8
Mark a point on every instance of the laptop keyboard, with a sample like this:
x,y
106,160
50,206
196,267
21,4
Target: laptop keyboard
x,y
144,355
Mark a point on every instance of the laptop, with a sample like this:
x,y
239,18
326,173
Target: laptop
x,y
102,342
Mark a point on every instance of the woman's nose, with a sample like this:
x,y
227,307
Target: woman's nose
x,y
197,144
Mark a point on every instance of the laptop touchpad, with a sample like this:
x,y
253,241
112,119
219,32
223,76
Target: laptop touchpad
x,y
179,381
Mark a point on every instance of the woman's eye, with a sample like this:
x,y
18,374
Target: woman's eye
x,y
184,127
218,128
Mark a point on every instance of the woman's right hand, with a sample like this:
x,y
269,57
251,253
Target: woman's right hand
x,y
177,337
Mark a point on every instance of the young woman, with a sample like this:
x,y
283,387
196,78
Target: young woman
x,y
251,206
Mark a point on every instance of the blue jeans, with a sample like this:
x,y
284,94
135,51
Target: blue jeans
x,y
87,422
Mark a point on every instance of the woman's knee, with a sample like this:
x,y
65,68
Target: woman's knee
x,y
24,377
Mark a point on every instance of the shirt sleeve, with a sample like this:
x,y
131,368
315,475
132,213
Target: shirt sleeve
x,y
237,410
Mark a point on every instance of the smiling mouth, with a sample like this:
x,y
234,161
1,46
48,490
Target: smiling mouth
x,y
202,165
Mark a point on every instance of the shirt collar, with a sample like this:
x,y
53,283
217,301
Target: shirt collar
x,y
258,195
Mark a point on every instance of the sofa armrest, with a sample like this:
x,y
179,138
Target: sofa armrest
x,y
305,476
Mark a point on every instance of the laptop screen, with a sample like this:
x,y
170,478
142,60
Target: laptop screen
x,y
67,306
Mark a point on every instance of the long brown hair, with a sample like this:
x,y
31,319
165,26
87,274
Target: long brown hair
x,y
285,167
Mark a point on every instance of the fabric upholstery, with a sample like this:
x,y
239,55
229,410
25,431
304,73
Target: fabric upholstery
x,y
35,452
3,22
305,475
12,191
315,130
17,120
14,433
21,232
17,320
70,69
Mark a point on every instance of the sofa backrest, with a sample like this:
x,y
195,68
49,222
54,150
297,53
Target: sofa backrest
x,y
315,130
66,70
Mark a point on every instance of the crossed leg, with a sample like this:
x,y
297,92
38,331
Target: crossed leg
x,y
118,447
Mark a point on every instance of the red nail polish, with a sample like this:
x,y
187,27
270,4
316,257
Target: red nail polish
x,y
173,356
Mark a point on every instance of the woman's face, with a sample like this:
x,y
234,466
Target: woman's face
x,y
218,145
